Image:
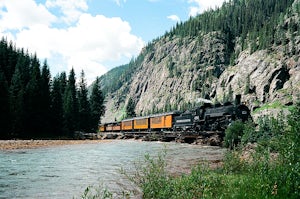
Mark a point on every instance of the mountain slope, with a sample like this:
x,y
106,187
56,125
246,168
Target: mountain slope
x,y
196,60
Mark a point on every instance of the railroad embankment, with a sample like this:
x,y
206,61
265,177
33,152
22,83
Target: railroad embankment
x,y
205,138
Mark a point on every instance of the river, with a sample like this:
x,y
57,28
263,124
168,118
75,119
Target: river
x,y
65,171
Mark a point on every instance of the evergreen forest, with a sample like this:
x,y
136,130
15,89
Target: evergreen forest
x,y
251,23
34,105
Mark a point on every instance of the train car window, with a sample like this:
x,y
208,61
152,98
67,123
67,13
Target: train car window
x,y
156,120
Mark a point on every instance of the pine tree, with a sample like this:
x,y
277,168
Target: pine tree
x,y
70,106
56,108
23,64
33,122
4,107
45,99
62,82
84,106
130,108
16,105
97,105
230,94
247,86
11,60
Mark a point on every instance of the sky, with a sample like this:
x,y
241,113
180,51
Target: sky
x,y
91,35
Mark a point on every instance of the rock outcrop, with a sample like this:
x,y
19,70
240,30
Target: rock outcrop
x,y
262,77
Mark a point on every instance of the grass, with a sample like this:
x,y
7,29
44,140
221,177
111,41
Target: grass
x,y
261,178
237,179
274,105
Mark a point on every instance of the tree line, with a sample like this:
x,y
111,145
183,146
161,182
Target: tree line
x,y
251,22
34,105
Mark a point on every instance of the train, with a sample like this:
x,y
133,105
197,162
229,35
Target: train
x,y
207,117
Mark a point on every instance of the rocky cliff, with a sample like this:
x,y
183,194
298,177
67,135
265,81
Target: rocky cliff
x,y
179,72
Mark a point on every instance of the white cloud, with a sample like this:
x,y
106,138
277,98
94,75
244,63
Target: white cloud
x,y
71,9
17,14
174,18
88,44
202,5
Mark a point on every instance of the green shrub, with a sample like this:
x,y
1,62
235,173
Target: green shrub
x,y
289,150
233,134
267,133
249,133
233,162
150,175
100,192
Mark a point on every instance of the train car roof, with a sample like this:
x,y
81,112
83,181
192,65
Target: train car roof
x,y
136,118
164,114
112,123
126,120
142,117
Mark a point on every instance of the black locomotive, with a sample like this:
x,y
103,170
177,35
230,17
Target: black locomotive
x,y
212,117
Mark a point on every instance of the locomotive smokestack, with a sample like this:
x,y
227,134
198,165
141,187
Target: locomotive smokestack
x,y
238,99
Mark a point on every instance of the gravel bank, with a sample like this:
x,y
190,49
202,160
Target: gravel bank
x,y
30,144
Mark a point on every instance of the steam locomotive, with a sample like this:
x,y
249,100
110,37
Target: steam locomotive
x,y
204,118
212,118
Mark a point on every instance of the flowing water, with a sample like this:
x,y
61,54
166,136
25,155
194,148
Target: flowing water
x,y
65,171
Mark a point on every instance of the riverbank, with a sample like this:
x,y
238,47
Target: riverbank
x,y
213,138
31,144
207,139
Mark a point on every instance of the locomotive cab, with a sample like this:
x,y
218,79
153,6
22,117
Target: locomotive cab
x,y
243,113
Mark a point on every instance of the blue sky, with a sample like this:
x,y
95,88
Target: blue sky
x,y
93,35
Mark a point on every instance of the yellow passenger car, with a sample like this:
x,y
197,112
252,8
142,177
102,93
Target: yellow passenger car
x,y
127,125
116,126
162,121
141,123
109,127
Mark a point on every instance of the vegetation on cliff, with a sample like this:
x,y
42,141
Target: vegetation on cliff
x,y
247,20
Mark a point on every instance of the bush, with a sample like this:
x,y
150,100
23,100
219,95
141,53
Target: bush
x,y
96,193
233,163
233,134
151,176
268,130
289,150
249,133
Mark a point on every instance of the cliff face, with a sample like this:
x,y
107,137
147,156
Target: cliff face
x,y
262,77
178,73
167,77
